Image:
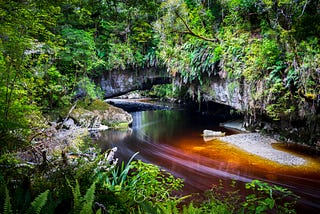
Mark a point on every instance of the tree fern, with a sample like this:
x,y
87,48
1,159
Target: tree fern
x,y
38,203
7,208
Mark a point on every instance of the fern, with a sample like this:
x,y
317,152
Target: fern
x,y
191,209
82,204
76,197
39,202
88,200
7,208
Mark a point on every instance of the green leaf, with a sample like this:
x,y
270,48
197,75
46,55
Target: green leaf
x,y
39,202
7,207
88,200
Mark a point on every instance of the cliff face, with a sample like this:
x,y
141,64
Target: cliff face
x,y
296,119
119,82
299,122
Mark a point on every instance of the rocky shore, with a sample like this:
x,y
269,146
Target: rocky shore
x,y
260,145
69,135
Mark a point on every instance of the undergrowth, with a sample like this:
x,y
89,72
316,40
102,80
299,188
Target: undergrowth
x,y
100,185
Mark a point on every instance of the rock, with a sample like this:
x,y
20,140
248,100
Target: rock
x,y
99,113
136,105
210,133
69,124
234,124
83,117
134,95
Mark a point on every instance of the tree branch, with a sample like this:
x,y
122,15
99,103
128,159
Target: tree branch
x,y
304,8
67,117
191,32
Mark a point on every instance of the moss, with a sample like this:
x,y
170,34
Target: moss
x,y
63,112
206,88
232,86
311,96
119,125
78,111
98,105
79,142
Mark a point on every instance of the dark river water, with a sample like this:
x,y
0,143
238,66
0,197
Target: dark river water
x,y
172,140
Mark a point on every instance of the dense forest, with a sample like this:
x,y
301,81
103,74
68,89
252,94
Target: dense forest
x,y
51,52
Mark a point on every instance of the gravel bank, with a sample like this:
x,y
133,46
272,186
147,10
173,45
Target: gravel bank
x,y
260,145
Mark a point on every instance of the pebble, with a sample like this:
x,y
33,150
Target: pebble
x,y
260,145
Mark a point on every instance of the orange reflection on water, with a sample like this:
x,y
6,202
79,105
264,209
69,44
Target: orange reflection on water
x,y
173,141
233,159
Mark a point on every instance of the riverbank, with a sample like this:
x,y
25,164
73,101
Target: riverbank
x,y
261,145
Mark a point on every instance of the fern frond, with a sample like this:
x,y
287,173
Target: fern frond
x,y
88,200
77,199
39,202
7,208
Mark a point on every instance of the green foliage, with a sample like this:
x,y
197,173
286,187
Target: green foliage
x,y
222,198
266,198
26,36
7,207
49,49
35,206
137,186
38,203
91,90
191,209
89,199
83,204
260,58
122,56
79,50
76,197
261,43
116,180
166,91
150,183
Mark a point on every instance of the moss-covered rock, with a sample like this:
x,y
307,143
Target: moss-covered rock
x,y
84,117
98,113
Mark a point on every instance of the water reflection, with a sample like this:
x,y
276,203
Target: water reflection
x,y
172,140
108,137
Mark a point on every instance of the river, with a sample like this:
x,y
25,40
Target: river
x,y
172,140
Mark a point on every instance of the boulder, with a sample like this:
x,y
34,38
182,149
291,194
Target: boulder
x,y
69,124
100,113
84,117
210,133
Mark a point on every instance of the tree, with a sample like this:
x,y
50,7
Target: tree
x,y
25,37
